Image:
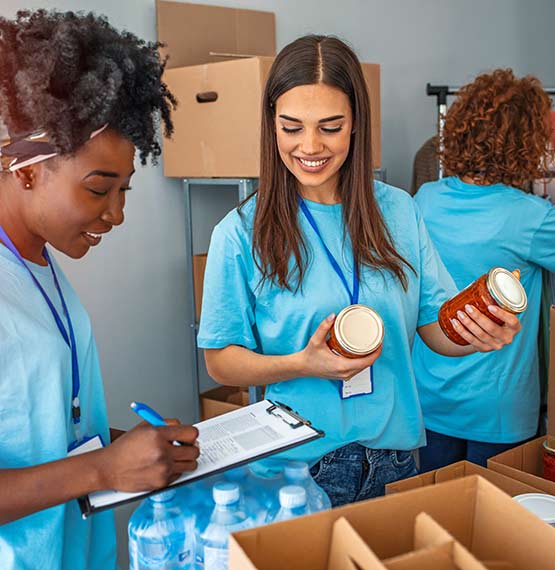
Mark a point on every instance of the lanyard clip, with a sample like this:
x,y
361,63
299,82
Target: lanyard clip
x,y
75,410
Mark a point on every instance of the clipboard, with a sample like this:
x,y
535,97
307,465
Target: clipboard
x,y
227,441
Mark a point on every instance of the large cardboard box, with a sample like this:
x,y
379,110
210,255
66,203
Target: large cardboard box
x,y
525,462
217,122
456,471
221,400
484,519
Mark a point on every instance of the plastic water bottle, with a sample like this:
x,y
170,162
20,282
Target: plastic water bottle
x,y
228,516
255,496
293,503
161,535
298,473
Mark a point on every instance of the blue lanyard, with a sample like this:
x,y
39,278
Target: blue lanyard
x,y
353,296
69,339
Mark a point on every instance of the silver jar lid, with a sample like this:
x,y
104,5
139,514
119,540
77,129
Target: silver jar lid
x,y
507,290
359,329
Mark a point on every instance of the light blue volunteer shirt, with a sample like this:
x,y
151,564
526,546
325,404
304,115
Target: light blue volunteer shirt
x,y
278,322
490,397
35,424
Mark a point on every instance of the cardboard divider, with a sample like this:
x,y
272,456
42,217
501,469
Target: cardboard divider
x,y
456,471
525,462
199,267
481,517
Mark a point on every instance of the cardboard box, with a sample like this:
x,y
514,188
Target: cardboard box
x,y
195,33
199,266
457,470
474,512
525,462
217,122
221,400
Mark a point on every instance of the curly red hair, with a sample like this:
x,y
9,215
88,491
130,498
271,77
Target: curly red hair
x,y
498,130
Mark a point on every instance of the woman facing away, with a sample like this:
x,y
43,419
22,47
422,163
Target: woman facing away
x,y
317,236
496,141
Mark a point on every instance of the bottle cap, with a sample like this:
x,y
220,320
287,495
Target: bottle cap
x,y
225,493
296,470
163,497
292,496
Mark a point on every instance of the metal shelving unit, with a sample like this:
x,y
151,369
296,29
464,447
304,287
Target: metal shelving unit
x,y
245,187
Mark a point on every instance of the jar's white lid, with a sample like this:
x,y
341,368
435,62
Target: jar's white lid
x,y
507,289
359,329
540,504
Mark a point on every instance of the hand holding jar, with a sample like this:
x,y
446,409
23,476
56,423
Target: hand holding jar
x,y
319,360
484,314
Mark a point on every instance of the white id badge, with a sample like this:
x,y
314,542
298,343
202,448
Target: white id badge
x,y
361,383
87,444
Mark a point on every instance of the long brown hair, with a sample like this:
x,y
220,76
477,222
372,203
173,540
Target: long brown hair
x,y
498,130
276,234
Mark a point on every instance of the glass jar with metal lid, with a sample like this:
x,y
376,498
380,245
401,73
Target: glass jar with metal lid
x,y
357,331
498,287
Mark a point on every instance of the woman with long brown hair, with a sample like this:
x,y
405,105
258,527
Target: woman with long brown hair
x,y
497,139
317,236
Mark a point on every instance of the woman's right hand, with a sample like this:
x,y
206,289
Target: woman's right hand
x,y
144,458
319,361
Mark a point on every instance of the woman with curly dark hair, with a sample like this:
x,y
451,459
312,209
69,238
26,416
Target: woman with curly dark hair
x,y
77,98
496,140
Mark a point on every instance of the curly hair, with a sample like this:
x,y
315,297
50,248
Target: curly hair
x,y
71,73
498,130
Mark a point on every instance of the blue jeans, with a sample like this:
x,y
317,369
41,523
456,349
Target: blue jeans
x,y
443,450
355,473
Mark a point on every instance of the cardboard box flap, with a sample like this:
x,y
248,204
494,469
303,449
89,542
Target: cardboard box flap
x,y
348,549
497,565
192,31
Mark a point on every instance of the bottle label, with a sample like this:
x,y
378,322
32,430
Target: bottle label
x,y
215,558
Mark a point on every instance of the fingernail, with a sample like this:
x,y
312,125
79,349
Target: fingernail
x,y
455,323
492,308
461,315
468,309
330,317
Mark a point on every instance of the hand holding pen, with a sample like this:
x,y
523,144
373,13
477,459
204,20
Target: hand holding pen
x,y
146,458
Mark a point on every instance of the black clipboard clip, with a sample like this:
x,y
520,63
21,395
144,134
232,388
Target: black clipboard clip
x,y
275,408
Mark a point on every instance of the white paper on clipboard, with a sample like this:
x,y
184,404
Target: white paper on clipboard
x,y
235,438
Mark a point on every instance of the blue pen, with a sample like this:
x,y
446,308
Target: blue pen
x,y
151,416
148,414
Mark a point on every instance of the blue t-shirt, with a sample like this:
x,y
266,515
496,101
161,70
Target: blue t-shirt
x,y
237,310
490,397
35,422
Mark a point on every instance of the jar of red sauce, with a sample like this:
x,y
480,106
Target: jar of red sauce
x,y
357,331
548,462
498,287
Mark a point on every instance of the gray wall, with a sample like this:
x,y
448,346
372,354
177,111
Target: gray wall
x,y
135,284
